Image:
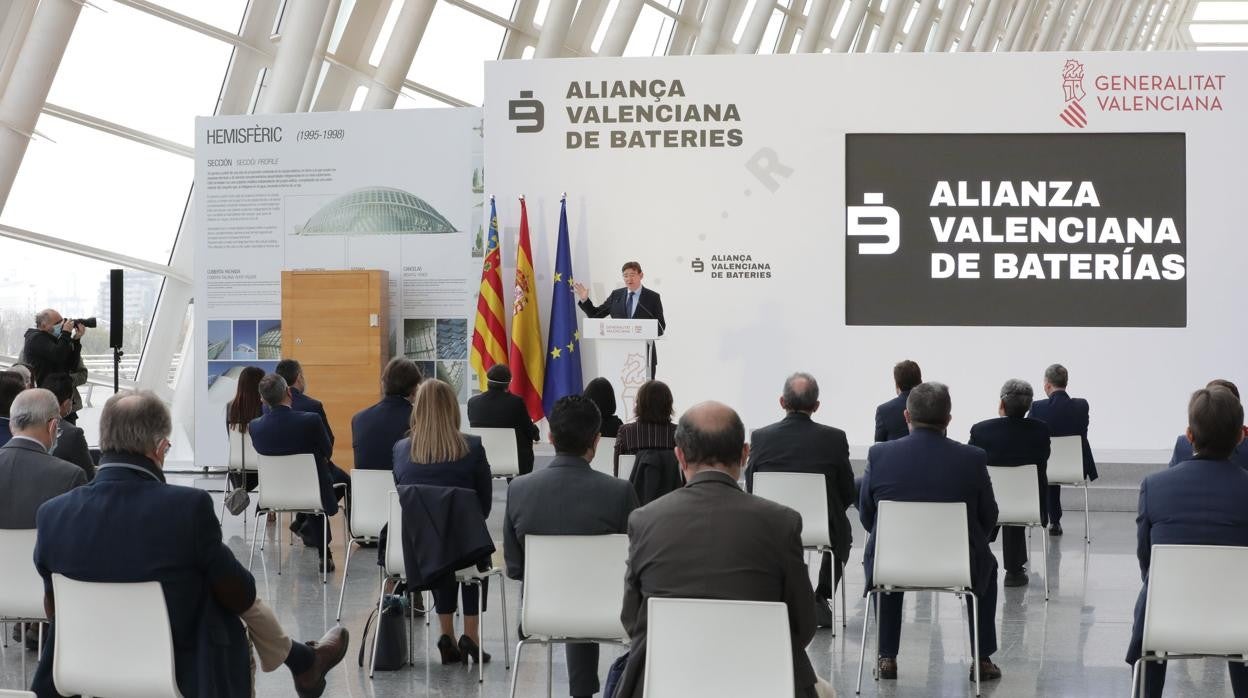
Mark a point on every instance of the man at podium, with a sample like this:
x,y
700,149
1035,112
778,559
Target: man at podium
x,y
632,301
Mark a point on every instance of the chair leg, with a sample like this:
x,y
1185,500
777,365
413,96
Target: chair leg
x,y
22,650
975,634
277,534
1044,541
866,621
411,628
550,669
324,549
502,592
381,598
346,569
1135,677
1087,516
255,533
481,630
844,604
515,675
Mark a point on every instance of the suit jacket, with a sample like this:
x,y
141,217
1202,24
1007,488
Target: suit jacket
x,y
566,498
375,430
1067,416
656,472
798,444
710,540
71,445
1183,452
610,426
301,402
1010,441
649,305
47,354
443,531
890,419
1197,502
472,472
928,467
500,409
286,432
129,526
29,476
5,434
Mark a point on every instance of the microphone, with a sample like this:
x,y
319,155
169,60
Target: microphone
x,y
662,325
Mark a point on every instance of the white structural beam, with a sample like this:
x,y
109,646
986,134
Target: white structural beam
x,y
921,27
854,16
396,60
108,256
712,27
756,26
886,37
793,20
1101,22
1057,15
1014,25
33,71
1078,23
978,10
585,23
117,129
318,57
14,24
355,45
950,18
1146,38
1123,40
554,33
301,25
685,33
987,34
245,66
1120,22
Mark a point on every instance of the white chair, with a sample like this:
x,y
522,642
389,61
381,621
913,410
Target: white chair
x,y
4,693
290,484
604,457
500,449
703,648
626,466
573,592
1066,469
395,571
807,494
367,513
1195,606
920,546
471,576
21,587
112,640
1018,504
243,460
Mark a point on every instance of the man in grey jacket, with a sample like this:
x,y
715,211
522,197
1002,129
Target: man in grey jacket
x,y
29,476
568,498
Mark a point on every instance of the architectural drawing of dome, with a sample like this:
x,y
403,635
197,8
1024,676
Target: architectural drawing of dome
x,y
376,211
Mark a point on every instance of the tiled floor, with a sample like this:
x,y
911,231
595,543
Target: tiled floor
x,y
1071,646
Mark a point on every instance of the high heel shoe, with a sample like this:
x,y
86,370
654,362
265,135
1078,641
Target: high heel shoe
x,y
469,650
450,653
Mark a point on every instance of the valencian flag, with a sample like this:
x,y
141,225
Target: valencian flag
x,y
563,356
527,365
489,334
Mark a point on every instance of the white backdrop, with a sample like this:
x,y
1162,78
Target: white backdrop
x,y
736,339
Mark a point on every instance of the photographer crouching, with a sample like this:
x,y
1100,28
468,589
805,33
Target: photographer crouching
x,y
54,344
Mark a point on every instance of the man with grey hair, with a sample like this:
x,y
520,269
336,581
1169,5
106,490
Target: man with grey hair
x,y
53,344
798,444
1013,439
1065,416
104,533
29,475
11,385
927,466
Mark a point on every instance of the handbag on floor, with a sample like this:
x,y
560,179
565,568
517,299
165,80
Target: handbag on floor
x,y
390,635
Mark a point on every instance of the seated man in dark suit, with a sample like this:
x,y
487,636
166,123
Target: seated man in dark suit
x,y
927,466
1013,439
71,442
375,430
1066,416
890,420
711,540
285,432
1197,502
797,444
568,498
11,383
104,533
1183,447
500,409
300,401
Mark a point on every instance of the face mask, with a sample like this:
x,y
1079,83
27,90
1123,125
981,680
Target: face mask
x,y
56,437
56,331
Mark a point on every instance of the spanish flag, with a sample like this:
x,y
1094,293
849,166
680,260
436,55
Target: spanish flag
x,y
528,356
489,334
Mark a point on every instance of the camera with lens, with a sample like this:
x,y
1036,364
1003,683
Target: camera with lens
x,y
88,322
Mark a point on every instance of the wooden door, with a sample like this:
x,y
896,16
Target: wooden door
x,y
334,323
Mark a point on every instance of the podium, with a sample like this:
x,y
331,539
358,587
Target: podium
x,y
619,350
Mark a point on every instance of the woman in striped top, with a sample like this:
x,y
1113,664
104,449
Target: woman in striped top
x,y
653,427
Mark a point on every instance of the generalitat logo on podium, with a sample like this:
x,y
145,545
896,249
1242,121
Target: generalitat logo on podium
x,y
1073,115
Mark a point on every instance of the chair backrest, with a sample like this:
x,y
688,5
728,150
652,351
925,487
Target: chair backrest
x,y
1017,491
574,586
626,467
21,587
370,502
1196,603
394,537
500,449
112,640
289,482
242,453
5,693
1065,461
922,544
742,650
604,457
805,493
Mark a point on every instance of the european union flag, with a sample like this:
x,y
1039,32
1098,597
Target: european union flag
x,y
563,356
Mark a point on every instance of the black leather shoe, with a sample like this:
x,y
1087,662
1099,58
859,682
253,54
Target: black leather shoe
x,y
823,612
888,668
329,650
469,650
1016,579
449,651
987,671
1055,530
329,564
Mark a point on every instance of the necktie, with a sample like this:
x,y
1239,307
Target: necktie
x,y
632,297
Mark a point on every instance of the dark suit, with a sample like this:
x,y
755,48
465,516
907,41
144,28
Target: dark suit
x,y
499,409
129,526
375,430
285,432
1183,452
48,354
1198,502
647,305
5,434
928,467
71,445
798,444
1011,441
29,477
1066,416
301,402
567,498
890,419
679,548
